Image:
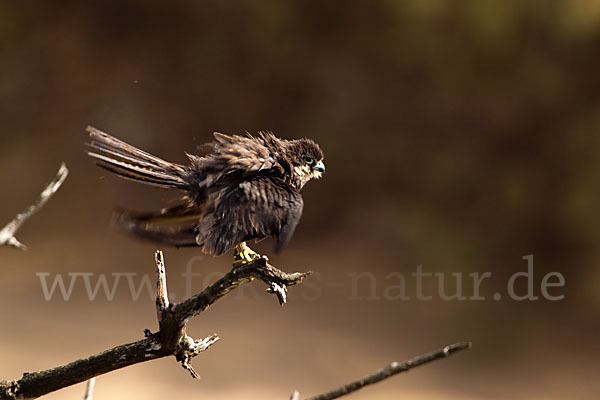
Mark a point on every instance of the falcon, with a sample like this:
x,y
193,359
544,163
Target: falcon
x,y
244,188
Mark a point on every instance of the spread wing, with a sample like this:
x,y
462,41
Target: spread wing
x,y
253,209
237,157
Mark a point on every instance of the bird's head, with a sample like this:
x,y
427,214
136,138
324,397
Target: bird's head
x,y
306,158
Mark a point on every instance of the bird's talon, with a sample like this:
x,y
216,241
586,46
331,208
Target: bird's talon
x,y
244,255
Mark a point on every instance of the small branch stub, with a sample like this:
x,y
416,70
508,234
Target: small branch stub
x,y
162,297
89,389
190,348
280,291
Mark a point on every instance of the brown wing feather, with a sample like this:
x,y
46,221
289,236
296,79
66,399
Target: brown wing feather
x,y
253,209
237,157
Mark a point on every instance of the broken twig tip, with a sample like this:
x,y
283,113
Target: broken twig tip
x,y
7,234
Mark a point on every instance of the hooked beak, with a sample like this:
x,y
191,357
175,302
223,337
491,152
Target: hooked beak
x,y
320,167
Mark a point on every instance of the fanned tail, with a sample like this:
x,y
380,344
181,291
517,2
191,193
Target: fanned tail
x,y
132,163
178,236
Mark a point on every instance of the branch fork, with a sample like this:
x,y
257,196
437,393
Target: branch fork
x,y
171,338
189,348
173,318
186,347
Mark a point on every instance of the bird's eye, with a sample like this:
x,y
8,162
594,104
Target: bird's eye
x,y
309,160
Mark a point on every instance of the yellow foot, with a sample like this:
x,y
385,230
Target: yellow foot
x,y
243,255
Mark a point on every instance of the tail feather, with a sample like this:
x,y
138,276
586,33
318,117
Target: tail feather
x,y
129,174
177,214
132,163
178,236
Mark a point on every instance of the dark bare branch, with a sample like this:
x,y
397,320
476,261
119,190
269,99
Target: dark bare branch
x,y
7,234
37,384
390,370
258,269
170,340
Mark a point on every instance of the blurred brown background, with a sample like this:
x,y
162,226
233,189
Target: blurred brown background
x,y
460,136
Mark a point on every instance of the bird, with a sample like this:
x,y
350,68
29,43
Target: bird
x,y
244,188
